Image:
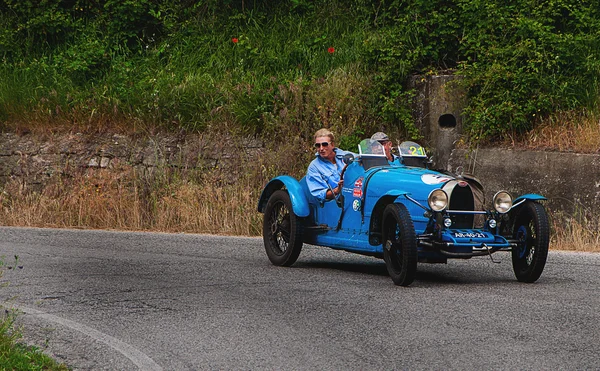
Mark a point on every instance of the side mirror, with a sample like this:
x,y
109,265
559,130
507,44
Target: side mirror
x,y
348,158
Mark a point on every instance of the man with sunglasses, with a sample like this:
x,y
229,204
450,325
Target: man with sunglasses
x,y
323,175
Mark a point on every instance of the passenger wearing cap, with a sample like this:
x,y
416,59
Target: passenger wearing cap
x,y
387,146
323,175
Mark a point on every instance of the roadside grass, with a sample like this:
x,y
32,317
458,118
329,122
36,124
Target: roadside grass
x,y
219,200
577,232
17,356
572,131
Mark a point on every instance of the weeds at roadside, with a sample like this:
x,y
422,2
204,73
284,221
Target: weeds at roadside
x,y
577,232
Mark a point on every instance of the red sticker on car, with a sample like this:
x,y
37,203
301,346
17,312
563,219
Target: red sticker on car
x,y
358,188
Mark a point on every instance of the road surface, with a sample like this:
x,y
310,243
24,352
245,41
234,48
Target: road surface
x,y
101,300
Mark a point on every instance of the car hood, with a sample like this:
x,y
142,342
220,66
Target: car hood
x,y
418,182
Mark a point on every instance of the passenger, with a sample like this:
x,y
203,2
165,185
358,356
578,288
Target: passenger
x,y
323,175
387,146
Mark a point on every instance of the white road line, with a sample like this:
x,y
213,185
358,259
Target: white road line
x,y
138,358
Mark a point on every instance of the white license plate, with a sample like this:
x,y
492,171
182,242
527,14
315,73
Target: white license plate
x,y
469,235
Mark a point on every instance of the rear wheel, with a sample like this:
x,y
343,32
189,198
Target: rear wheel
x,y
399,244
282,230
532,232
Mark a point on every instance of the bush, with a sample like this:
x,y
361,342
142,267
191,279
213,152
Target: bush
x,y
198,65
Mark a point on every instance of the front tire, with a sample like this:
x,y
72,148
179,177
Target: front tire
x,y
532,232
282,230
399,244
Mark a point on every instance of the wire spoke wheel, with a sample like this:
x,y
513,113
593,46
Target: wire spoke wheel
x,y
282,230
399,244
532,233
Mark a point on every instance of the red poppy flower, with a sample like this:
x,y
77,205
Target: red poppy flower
x,y
234,40
331,50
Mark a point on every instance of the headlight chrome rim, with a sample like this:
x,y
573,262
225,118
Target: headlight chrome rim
x,y
503,202
438,200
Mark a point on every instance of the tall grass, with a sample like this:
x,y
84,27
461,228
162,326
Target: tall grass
x,y
566,131
127,199
196,82
280,74
213,200
578,232
219,199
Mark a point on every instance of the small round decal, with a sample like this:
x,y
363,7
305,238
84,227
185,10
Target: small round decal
x,y
356,205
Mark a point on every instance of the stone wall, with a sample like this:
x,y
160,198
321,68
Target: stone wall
x,y
34,159
570,181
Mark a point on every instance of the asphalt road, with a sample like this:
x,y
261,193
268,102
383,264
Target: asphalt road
x,y
103,300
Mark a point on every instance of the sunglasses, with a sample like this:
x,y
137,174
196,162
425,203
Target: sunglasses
x,y
324,144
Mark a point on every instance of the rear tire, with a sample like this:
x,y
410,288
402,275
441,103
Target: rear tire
x,y
532,231
282,230
399,244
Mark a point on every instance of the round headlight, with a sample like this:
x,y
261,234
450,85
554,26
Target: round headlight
x,y
437,200
502,202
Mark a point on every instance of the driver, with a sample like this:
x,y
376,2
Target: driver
x,y
323,175
387,146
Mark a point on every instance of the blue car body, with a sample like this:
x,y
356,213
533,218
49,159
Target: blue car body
x,y
354,222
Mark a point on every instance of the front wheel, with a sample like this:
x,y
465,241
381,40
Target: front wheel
x,y
532,232
282,230
399,244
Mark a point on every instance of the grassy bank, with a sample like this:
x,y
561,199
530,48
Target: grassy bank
x,y
259,67
15,355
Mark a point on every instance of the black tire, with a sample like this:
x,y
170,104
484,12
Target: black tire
x,y
399,244
282,230
532,232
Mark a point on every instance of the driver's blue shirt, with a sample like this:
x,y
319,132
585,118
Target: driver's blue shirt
x,y
322,174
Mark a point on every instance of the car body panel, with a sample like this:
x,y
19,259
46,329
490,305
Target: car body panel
x,y
353,221
299,200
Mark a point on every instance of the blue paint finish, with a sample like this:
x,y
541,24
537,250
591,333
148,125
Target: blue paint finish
x,y
297,196
530,196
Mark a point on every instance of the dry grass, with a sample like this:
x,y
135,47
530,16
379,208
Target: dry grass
x,y
569,132
565,131
578,232
183,202
130,200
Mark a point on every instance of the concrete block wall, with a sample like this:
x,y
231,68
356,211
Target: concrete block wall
x,y
570,181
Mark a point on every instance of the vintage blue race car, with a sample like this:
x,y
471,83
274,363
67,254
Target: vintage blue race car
x,y
404,213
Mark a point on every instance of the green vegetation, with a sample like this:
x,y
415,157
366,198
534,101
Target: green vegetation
x,y
289,67
17,356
